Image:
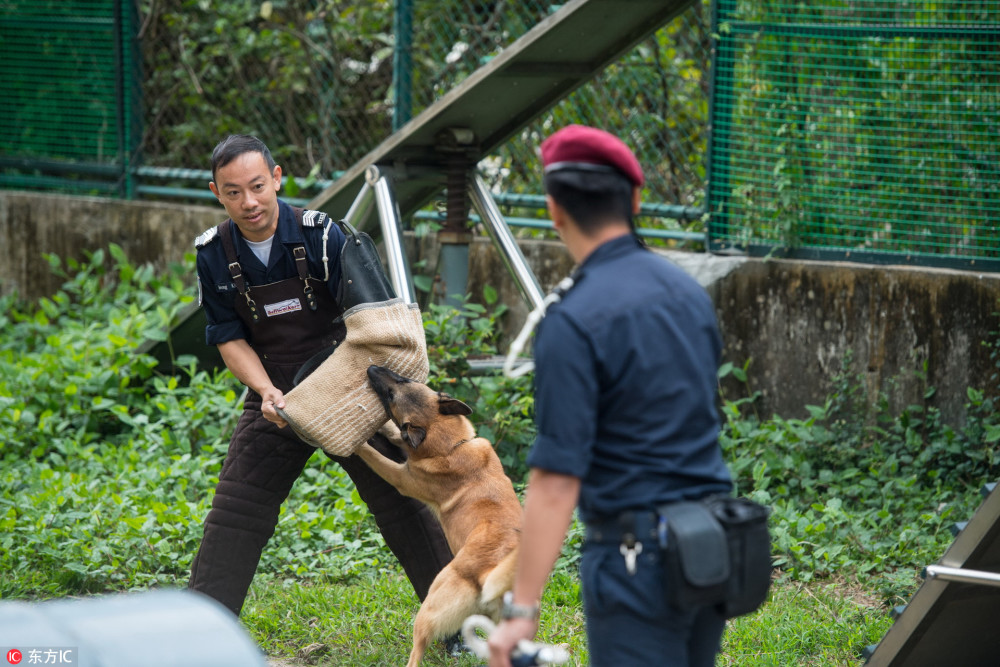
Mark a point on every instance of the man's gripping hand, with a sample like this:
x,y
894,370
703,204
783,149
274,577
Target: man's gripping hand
x,y
273,400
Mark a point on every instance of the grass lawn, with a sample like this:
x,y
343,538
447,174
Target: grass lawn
x,y
368,622
106,472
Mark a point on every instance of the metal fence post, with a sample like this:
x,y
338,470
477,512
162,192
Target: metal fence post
x,y
719,123
127,93
402,64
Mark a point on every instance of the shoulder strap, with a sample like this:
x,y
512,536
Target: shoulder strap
x,y
235,270
299,251
301,263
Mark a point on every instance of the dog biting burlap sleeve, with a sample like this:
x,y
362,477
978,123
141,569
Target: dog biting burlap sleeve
x,y
333,408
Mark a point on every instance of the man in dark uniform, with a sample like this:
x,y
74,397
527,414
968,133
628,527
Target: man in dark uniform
x,y
625,409
267,279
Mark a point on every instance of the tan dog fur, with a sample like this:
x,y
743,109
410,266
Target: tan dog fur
x,y
460,477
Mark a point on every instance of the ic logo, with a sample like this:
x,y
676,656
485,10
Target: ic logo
x,y
14,656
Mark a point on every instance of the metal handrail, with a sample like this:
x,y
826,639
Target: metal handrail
x,y
962,575
392,234
504,241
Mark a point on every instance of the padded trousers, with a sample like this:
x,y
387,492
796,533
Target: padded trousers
x,y
260,467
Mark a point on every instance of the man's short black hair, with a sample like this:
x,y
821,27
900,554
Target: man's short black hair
x,y
591,198
236,145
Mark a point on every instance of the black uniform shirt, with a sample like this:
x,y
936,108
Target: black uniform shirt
x,y
625,384
216,289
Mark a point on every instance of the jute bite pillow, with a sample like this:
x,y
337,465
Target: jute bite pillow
x,y
333,408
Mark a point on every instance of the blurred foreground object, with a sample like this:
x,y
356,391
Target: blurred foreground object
x,y
153,629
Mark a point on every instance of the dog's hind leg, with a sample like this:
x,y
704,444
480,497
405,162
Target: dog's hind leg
x,y
449,602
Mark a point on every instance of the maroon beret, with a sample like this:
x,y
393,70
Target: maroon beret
x,y
578,145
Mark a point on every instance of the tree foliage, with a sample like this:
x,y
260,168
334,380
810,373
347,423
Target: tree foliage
x,y
309,77
314,78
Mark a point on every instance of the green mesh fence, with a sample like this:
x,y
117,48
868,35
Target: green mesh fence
x,y
345,87
69,109
656,98
324,82
853,127
858,128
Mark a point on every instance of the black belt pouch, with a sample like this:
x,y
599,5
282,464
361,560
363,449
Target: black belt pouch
x,y
717,552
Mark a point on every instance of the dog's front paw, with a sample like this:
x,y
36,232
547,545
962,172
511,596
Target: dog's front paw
x,y
391,432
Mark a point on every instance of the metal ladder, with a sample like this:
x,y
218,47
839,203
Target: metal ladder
x,y
377,188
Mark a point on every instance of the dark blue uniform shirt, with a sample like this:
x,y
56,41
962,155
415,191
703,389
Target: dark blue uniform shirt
x,y
625,384
215,283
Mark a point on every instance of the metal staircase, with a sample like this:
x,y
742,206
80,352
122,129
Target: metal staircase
x,y
439,148
555,57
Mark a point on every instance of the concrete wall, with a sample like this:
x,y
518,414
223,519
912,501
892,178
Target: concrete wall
x,y
794,320
34,223
906,329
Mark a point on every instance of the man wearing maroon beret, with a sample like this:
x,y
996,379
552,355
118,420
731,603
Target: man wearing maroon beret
x,y
625,396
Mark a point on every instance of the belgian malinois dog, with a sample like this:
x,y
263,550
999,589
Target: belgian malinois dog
x,y
459,476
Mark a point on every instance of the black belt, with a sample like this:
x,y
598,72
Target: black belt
x,y
641,526
633,531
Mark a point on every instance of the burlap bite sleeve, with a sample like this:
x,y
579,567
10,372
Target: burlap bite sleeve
x,y
334,408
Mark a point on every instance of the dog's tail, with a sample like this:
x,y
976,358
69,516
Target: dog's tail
x,y
499,581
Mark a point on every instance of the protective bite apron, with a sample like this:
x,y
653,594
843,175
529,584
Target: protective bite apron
x,y
289,320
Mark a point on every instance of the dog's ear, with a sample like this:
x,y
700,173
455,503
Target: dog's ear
x,y
452,406
412,435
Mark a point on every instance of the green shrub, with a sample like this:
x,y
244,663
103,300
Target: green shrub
x,y
109,466
502,407
858,491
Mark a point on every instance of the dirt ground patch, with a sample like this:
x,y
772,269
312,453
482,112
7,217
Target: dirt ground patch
x,y
283,662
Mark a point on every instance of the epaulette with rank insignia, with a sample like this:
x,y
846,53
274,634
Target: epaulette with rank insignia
x,y
206,236
313,218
